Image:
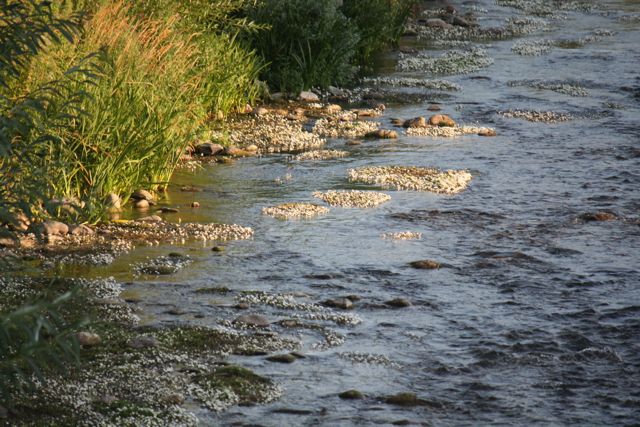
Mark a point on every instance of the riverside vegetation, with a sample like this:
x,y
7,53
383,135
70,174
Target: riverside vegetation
x,y
99,99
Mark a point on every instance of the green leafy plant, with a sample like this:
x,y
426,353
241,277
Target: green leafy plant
x,y
308,43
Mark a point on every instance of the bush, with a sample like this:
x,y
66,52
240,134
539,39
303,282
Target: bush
x,y
380,23
308,43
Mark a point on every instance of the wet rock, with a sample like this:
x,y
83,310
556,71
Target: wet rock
x,y
237,152
425,264
382,134
397,122
307,96
88,339
598,216
282,358
81,230
54,228
441,120
208,149
152,218
416,122
143,341
217,249
142,195
351,395
434,107
398,303
195,204
113,201
342,303
141,204
437,23
256,320
168,210
176,312
487,132
403,399
353,143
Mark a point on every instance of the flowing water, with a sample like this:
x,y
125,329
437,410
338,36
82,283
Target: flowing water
x,y
534,318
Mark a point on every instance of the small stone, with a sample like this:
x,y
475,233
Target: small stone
x,y
353,143
382,134
143,341
426,264
397,122
141,204
54,228
152,218
282,358
195,204
218,249
403,399
142,195
168,210
398,303
81,230
261,111
307,96
434,107
416,122
208,149
248,109
598,216
113,201
88,339
256,320
343,303
333,108
437,23
487,132
351,395
441,120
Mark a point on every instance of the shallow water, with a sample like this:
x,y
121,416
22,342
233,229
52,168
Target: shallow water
x,y
535,317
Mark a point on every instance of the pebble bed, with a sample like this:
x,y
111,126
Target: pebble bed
x,y
413,178
321,155
337,128
353,198
537,116
402,235
295,210
452,62
447,131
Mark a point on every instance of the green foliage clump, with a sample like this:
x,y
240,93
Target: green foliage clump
x,y
380,23
308,43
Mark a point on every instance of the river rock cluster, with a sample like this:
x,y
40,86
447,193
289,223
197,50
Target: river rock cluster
x,y
295,210
353,198
413,178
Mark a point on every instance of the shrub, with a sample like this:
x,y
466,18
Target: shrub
x,y
308,43
380,23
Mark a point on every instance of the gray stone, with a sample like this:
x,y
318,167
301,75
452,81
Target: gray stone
x,y
256,320
307,96
88,339
54,228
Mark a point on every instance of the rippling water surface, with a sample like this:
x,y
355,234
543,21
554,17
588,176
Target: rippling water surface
x,y
535,317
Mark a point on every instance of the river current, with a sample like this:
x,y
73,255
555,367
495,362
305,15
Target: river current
x,y
534,318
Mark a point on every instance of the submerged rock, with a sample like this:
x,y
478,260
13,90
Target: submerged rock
x,y
404,399
398,303
256,320
351,395
425,264
598,216
282,358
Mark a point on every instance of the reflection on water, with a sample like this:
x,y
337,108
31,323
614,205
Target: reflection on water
x,y
534,317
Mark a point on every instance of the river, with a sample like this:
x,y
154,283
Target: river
x,y
534,318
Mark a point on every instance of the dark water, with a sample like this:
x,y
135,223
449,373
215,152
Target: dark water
x,y
535,320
